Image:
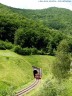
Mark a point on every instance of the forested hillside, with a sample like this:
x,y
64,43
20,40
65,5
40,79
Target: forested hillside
x,y
38,29
54,18
39,34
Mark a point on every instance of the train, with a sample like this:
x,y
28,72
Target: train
x,y
37,76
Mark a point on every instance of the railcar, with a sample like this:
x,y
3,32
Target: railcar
x,y
37,76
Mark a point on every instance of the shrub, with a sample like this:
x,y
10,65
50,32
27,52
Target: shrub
x,y
5,45
41,52
8,45
23,51
26,51
48,89
3,93
2,45
17,49
34,51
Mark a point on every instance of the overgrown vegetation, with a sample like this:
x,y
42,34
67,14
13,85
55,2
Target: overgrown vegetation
x,y
16,70
5,45
30,32
54,88
40,29
61,66
61,80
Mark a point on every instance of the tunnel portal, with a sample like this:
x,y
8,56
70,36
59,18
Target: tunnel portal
x,y
37,72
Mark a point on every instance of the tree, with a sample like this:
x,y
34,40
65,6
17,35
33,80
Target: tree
x,y
62,62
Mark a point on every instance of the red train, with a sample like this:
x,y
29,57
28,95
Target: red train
x,y
37,76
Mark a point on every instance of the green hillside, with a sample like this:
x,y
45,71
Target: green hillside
x,y
53,18
16,71
40,29
36,36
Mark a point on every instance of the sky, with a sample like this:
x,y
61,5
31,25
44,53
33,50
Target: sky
x,y
38,4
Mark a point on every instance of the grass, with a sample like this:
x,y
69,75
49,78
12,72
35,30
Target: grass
x,y
41,61
54,88
16,70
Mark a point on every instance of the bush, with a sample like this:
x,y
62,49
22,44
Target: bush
x,y
23,51
48,89
8,45
41,52
5,45
3,93
17,49
26,51
2,45
34,51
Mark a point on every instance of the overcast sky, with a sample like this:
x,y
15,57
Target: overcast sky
x,y
36,4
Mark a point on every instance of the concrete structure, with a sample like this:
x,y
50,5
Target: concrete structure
x,y
37,72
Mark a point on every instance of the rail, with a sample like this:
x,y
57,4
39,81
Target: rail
x,y
28,89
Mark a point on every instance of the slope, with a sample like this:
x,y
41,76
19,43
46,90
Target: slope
x,y
16,70
54,18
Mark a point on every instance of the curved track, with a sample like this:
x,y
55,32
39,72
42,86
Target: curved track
x,y
28,89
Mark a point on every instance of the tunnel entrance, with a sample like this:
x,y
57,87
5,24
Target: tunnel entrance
x,y
37,72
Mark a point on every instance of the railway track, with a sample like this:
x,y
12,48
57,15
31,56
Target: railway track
x,y
28,89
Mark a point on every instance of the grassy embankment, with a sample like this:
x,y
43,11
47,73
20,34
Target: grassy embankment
x,y
16,70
